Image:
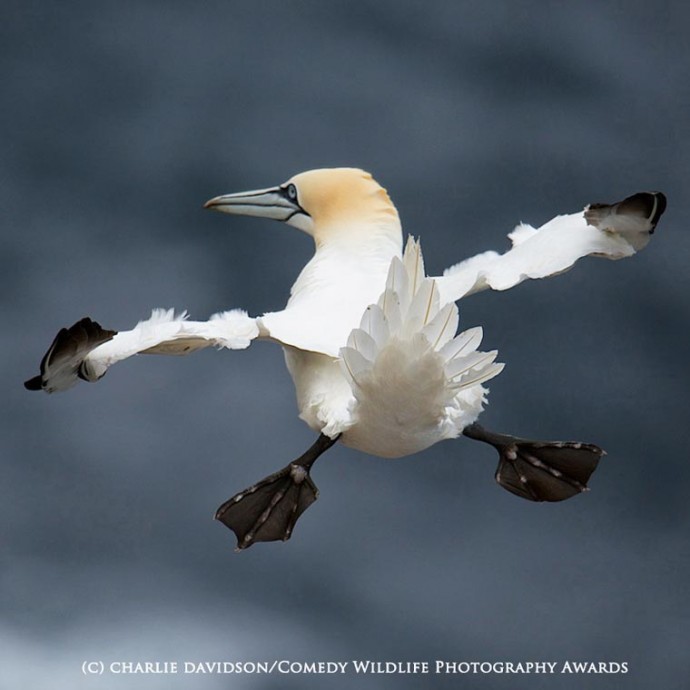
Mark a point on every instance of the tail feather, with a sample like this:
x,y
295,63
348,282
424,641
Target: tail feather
x,y
375,324
466,342
413,261
414,381
461,366
398,283
479,377
442,327
392,309
423,308
409,311
355,364
361,341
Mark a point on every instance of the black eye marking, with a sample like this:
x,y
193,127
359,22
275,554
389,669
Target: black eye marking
x,y
289,192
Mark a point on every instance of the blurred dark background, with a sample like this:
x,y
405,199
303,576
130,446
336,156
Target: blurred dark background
x,y
119,119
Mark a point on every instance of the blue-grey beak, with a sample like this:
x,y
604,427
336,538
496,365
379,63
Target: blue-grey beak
x,y
279,203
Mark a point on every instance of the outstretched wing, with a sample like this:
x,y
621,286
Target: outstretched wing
x,y
86,350
612,231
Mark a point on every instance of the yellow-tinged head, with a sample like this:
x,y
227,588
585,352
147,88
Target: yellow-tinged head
x,y
336,196
326,203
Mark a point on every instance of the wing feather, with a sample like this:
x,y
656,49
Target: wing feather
x,y
86,351
611,231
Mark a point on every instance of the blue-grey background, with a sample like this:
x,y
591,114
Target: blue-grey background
x,y
119,119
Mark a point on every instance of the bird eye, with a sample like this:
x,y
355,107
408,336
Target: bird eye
x,y
292,192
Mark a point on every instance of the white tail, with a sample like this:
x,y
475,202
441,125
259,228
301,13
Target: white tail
x,y
408,310
409,372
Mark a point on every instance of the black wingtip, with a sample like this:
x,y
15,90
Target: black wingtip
x,y
661,207
649,205
33,384
61,365
641,212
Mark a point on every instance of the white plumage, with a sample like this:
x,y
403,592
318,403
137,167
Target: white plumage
x,y
370,340
413,382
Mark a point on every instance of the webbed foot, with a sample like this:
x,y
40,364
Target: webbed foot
x,y
540,470
268,510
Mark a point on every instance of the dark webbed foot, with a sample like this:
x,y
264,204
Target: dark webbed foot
x,y
268,510
540,470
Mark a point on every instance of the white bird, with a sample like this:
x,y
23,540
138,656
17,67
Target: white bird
x,y
370,341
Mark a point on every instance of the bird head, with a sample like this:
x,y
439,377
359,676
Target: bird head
x,y
328,204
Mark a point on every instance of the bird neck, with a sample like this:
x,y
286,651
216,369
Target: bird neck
x,y
377,234
370,222
349,267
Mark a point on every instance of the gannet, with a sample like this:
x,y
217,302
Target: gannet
x,y
370,340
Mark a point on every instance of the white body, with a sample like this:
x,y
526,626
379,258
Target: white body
x,y
393,389
369,340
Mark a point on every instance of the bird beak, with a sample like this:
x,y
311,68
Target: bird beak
x,y
264,203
